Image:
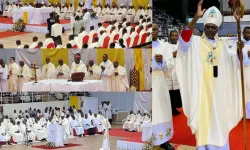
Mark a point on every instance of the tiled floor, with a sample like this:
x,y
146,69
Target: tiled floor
x,y
10,42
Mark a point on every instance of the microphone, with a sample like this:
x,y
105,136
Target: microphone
x,y
215,70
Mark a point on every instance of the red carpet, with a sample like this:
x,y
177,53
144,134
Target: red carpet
x,y
67,146
183,135
6,34
127,136
9,21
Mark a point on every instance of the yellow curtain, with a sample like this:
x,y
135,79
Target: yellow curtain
x,y
103,3
113,54
25,1
139,66
31,1
94,2
67,3
74,100
54,55
115,1
137,3
25,17
75,4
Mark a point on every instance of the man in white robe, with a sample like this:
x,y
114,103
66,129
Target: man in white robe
x,y
27,131
35,43
88,125
70,12
172,79
75,126
131,13
40,131
138,121
23,76
146,118
119,78
246,40
48,41
101,108
126,123
212,61
35,72
107,72
78,66
94,71
63,12
49,70
62,70
97,123
4,136
15,132
4,75
108,109
66,126
162,64
13,75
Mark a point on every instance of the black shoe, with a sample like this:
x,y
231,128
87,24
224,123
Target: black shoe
x,y
167,146
66,144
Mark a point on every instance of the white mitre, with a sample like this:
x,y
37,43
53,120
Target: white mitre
x,y
212,15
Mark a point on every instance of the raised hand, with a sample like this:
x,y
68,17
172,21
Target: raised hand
x,y
200,12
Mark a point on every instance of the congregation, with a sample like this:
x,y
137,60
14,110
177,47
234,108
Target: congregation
x,y
32,124
116,26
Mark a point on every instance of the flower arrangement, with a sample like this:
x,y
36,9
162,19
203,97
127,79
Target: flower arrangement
x,y
50,144
18,26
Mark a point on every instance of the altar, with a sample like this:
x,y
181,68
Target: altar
x,y
60,85
56,134
32,15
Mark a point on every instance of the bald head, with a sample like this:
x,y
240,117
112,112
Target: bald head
x,y
155,31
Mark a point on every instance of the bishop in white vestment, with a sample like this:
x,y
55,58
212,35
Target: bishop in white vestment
x,y
209,76
94,71
107,72
13,75
23,76
78,66
62,70
49,70
119,78
4,72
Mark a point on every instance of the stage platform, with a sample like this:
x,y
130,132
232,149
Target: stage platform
x,y
7,24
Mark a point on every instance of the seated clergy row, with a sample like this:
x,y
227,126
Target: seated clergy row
x,y
13,76
35,127
134,122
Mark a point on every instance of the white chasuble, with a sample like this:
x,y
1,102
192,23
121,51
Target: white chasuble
x,y
62,72
106,75
49,71
13,77
212,104
120,82
24,76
